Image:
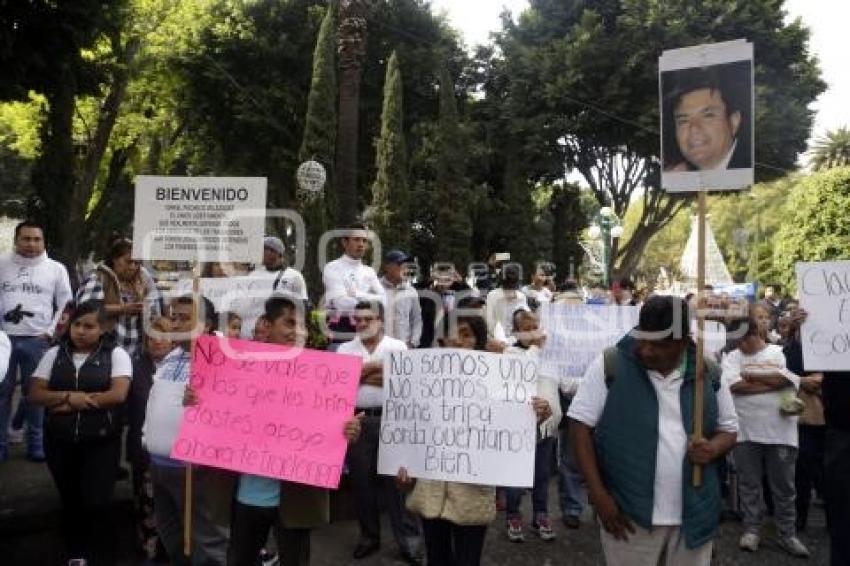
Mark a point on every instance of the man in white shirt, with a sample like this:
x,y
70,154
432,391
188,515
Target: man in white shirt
x,y
375,347
404,320
34,290
540,289
348,281
767,443
502,302
286,279
631,422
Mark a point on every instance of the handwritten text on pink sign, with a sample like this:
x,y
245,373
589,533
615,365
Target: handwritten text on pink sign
x,y
279,416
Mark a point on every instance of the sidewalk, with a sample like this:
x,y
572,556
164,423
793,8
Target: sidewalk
x,y
29,533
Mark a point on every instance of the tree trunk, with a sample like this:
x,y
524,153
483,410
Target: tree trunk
x,y
54,176
352,48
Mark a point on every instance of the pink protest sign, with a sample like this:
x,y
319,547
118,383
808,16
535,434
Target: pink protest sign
x,y
269,410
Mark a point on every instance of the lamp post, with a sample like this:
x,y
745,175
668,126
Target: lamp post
x,y
607,227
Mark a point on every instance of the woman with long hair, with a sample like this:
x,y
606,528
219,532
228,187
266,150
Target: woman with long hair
x,y
128,292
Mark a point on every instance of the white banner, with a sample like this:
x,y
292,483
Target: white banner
x,y
459,415
577,334
245,296
824,289
199,218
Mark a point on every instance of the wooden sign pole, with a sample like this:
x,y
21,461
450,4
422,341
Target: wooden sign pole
x,y
187,491
699,401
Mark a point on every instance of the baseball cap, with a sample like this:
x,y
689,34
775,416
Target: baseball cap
x,y
274,243
397,256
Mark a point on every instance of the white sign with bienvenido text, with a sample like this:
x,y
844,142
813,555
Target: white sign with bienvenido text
x,y
199,218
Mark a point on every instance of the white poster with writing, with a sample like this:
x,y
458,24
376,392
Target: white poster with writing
x,y
245,296
824,289
578,334
199,218
459,415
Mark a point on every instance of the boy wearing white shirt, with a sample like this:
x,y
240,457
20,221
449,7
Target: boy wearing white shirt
x,y
286,279
375,347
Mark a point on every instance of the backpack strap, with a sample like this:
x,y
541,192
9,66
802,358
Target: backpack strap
x,y
609,359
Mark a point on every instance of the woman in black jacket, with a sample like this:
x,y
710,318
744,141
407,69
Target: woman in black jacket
x,y
81,382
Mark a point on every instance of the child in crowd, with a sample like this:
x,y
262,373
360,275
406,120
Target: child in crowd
x,y
455,515
529,342
80,382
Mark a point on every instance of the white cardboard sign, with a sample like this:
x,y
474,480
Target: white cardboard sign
x,y
824,289
577,334
199,218
459,415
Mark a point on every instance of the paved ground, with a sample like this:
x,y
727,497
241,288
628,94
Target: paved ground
x,y
29,533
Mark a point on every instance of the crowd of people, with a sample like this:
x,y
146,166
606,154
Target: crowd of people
x,y
100,368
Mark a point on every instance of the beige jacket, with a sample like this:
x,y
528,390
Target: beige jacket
x,y
460,503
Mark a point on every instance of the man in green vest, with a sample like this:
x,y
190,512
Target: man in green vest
x,y
632,424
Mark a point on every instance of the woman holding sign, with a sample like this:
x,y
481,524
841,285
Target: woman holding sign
x,y
80,382
455,515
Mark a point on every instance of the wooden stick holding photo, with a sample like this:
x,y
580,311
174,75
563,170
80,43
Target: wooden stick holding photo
x,y
699,401
187,502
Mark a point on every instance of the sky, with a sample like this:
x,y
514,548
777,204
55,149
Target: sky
x,y
826,19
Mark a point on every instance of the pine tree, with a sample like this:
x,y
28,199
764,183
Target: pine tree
x,y
390,211
319,144
454,198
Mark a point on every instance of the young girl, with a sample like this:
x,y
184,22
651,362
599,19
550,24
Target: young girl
x,y
80,382
234,324
529,342
454,515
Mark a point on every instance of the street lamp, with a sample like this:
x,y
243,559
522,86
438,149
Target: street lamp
x,y
607,227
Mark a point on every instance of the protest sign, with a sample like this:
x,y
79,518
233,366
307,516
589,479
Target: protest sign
x,y
245,296
459,415
824,289
577,334
269,410
707,109
206,218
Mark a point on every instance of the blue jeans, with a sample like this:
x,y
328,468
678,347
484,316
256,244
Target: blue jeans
x,y
540,491
571,490
26,353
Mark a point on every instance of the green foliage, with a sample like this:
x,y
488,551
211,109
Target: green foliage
x,y
832,150
319,143
454,198
390,211
816,225
579,82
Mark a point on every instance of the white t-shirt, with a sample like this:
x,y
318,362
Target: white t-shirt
x,y
587,407
371,396
37,289
544,295
499,309
121,364
289,280
759,414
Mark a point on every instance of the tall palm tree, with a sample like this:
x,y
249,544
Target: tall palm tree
x,y
351,50
832,150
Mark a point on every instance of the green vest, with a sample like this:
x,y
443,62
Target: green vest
x,y
626,441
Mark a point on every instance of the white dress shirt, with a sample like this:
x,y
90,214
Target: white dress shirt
x,y
371,396
589,402
347,282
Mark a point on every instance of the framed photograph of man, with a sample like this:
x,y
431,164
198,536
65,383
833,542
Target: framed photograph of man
x,y
707,114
